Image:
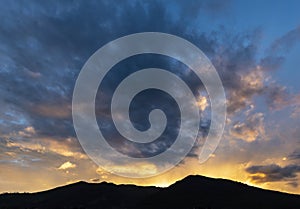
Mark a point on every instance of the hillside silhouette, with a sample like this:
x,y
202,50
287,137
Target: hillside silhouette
x,y
193,192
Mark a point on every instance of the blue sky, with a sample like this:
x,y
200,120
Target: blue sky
x,y
254,45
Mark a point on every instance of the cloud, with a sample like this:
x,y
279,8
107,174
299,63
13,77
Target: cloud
x,y
131,169
251,129
46,62
42,56
249,83
64,147
202,103
67,165
27,132
287,41
279,98
295,104
295,155
60,111
273,173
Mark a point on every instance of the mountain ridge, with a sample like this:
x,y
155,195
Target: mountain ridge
x,y
192,192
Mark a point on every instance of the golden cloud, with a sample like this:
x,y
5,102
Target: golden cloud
x,y
43,145
67,165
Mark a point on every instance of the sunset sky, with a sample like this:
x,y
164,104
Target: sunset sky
x,y
254,46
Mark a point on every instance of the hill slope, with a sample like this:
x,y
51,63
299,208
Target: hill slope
x,y
193,192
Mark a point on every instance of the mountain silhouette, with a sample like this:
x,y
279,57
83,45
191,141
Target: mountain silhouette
x,y
193,192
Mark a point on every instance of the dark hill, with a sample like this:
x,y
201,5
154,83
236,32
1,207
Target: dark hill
x,y
193,192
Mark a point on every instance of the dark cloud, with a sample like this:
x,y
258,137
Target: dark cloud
x,y
45,45
273,173
95,180
295,155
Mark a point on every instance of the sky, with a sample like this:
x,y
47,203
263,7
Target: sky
x,y
254,46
